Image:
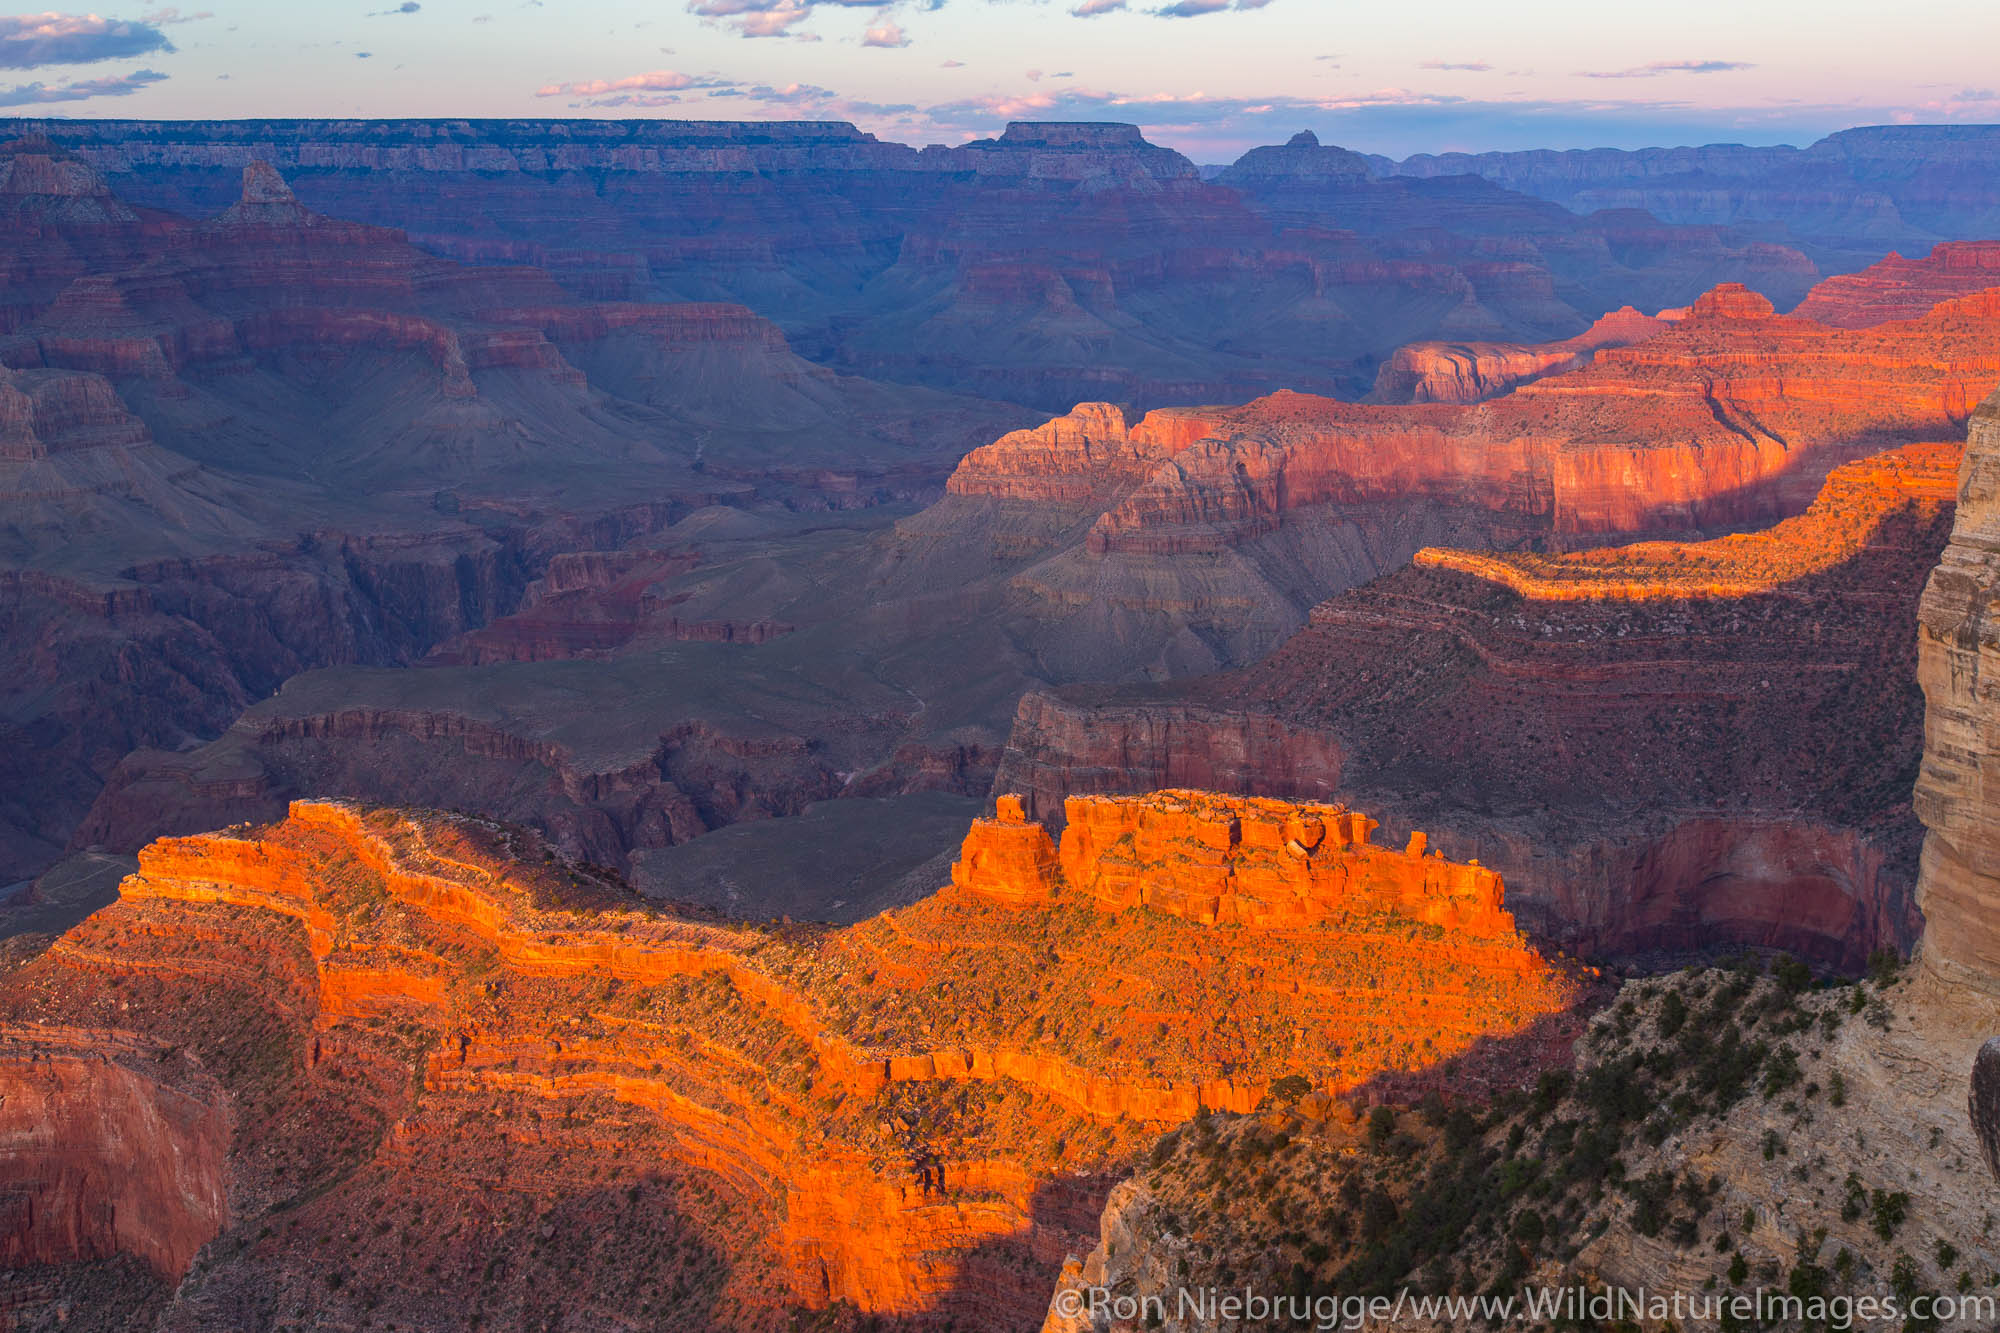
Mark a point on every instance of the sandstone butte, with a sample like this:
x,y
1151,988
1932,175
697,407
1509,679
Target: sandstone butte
x,y
1664,746
358,1019
1899,288
1733,415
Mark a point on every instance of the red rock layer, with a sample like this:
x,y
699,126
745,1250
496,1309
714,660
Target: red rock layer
x,y
1857,500
107,1147
1731,416
916,1116
1899,288
1664,748
1471,372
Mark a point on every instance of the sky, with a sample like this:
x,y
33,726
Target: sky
x,y
1211,78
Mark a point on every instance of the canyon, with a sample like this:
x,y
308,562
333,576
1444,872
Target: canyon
x,y
1721,1132
1052,264
1593,724
294,442
396,1018
708,724
764,665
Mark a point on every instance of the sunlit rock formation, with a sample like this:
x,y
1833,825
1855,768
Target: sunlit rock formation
x,y
1471,372
917,1116
1899,288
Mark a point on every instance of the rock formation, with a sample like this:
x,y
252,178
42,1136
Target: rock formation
x,y
1437,372
1983,1103
916,1116
1899,288
1958,663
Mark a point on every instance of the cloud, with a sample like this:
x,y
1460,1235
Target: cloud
x,y
768,18
657,81
952,64
1092,8
1470,66
31,40
407,7
885,32
1659,67
162,17
1187,9
120,85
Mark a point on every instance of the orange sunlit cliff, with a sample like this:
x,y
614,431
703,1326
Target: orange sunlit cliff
x,y
394,1013
1856,501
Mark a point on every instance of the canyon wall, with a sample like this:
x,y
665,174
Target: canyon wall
x,y
1849,191
107,1147
1597,725
1958,665
1051,264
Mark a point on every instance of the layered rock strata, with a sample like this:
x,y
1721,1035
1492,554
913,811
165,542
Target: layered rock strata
x,y
1899,288
1958,787
1596,725
916,1116
1471,372
1050,264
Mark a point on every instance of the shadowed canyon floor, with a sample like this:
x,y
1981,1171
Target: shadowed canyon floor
x,y
434,1068
236,449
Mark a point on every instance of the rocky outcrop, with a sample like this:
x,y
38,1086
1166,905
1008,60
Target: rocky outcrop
x,y
1899,288
1958,663
1983,1103
42,186
1301,156
1243,861
1438,372
916,1116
